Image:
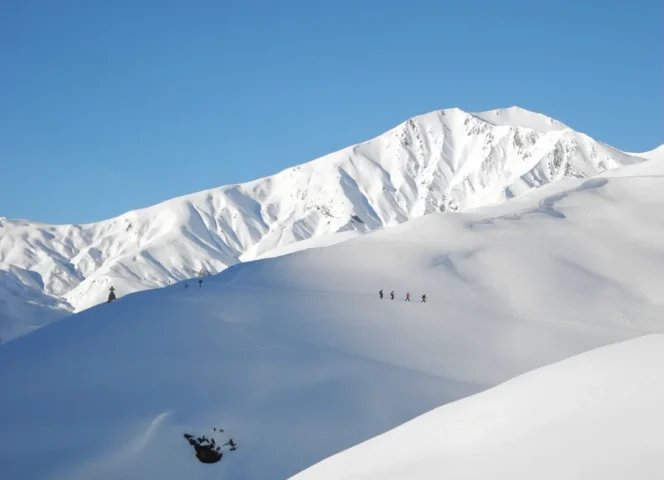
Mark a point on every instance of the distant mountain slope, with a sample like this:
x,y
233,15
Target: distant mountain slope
x,y
297,358
656,154
559,421
441,161
24,307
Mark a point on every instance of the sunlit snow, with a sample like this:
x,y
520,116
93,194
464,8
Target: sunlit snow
x,y
298,359
444,160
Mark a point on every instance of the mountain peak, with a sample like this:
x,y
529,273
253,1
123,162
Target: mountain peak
x,y
515,116
447,160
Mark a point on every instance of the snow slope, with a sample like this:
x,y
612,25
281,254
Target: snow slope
x,y
597,416
24,307
443,160
656,154
297,359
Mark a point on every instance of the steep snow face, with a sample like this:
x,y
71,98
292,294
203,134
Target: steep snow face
x,y
447,160
595,416
297,358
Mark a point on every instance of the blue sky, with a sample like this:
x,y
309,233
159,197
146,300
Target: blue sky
x,y
110,106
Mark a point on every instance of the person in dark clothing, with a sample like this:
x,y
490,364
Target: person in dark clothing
x,y
200,282
381,294
408,296
392,295
424,298
111,296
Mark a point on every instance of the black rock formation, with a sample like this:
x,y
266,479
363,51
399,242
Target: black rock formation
x,y
207,450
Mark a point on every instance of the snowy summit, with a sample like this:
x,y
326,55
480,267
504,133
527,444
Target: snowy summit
x,y
298,361
447,160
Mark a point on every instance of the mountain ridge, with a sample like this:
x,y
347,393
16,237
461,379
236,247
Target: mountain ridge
x,y
276,351
445,160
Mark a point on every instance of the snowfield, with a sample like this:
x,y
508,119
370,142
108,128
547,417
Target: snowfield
x,y
297,358
595,416
445,160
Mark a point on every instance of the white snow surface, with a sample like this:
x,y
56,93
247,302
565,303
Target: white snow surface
x,y
518,117
656,154
596,416
297,358
444,160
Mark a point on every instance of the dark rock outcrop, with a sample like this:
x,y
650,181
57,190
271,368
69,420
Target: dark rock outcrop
x,y
207,450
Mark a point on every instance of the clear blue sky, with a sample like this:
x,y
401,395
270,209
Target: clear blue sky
x,y
107,106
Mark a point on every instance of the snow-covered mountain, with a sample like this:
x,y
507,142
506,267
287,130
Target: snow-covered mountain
x,y
296,358
656,154
441,161
594,416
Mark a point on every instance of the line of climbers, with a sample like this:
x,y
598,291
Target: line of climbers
x,y
112,296
200,284
424,297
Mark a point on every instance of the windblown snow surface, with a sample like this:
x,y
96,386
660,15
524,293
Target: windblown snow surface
x,y
297,358
444,160
597,416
